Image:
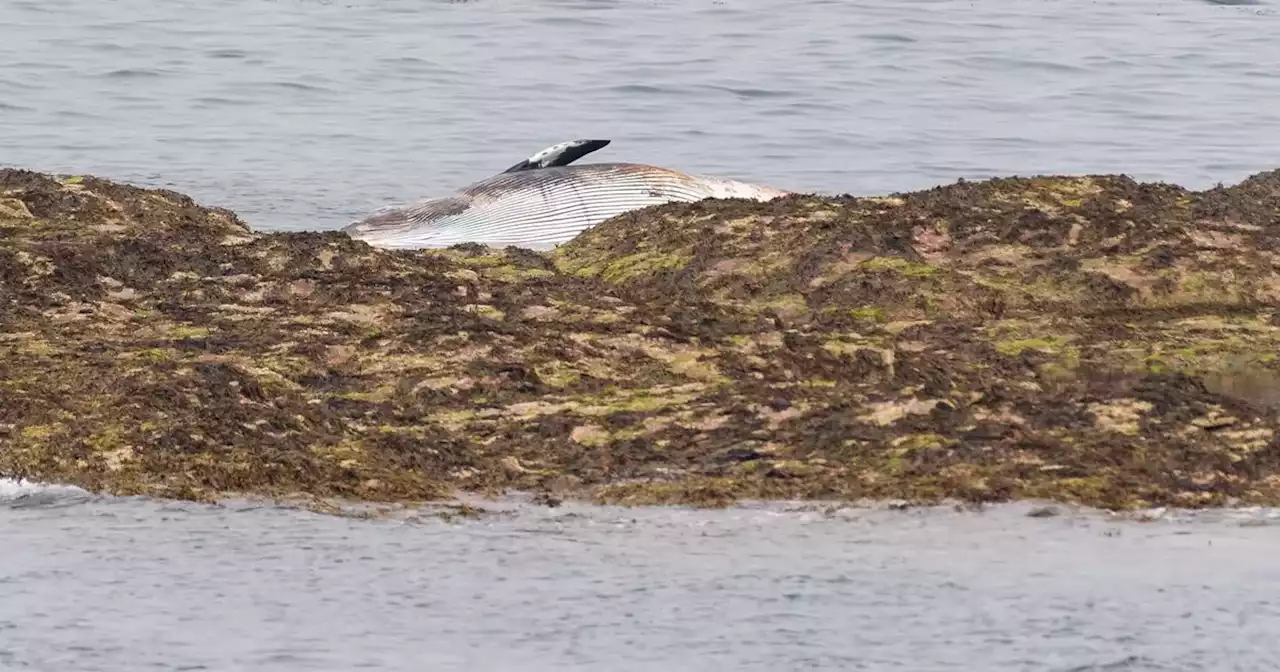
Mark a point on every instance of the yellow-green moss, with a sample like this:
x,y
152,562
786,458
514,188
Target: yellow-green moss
x,y
868,313
909,269
510,274
1014,347
486,311
914,442
789,306
623,268
39,432
557,374
184,332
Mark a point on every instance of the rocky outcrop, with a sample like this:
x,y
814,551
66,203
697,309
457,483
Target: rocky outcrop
x,y
1089,339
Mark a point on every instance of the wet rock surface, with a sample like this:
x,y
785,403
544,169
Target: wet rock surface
x,y
1087,339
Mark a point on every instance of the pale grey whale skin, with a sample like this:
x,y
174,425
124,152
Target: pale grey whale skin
x,y
541,202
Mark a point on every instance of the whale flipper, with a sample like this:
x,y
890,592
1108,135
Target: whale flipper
x,y
562,154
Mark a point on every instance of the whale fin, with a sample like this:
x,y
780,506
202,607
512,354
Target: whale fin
x,y
562,154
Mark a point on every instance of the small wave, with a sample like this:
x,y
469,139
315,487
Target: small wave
x,y
889,37
1126,663
218,101
569,21
228,53
107,47
643,89
754,93
405,60
1010,63
133,73
17,84
23,494
299,86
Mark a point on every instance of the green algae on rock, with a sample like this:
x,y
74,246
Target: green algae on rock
x,y
1086,339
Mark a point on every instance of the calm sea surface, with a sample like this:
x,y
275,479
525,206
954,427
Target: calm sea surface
x,y
303,115
115,584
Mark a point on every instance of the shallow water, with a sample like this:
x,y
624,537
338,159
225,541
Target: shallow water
x,y
92,583
304,114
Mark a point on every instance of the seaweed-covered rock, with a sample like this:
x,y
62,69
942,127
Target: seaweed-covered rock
x,y
1090,339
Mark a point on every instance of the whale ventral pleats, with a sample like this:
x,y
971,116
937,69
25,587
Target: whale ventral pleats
x,y
542,202
391,217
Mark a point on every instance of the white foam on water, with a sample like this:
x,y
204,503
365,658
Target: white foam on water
x,y
16,489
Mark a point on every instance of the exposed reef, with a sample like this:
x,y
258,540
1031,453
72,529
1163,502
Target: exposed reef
x,y
1087,339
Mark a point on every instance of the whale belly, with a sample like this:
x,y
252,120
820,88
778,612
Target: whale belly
x,y
535,209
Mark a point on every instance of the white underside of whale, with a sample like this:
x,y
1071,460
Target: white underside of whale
x,y
541,208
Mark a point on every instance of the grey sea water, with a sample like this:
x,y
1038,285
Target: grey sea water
x,y
301,114
115,584
304,114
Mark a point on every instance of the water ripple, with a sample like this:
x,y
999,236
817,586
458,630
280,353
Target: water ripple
x,y
339,105
133,73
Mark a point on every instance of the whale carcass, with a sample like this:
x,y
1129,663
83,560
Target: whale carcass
x,y
542,202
